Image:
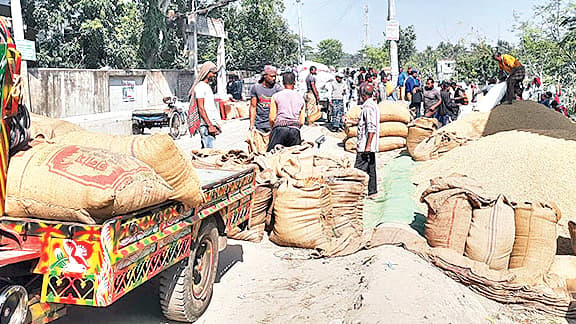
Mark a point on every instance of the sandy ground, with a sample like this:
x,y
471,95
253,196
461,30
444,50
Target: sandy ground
x,y
265,283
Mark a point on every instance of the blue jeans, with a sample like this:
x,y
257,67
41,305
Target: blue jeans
x,y
337,112
207,139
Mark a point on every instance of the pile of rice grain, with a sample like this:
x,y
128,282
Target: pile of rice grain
x,y
519,164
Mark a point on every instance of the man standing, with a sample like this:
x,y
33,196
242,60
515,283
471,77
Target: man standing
x,y
516,73
203,96
339,93
312,97
432,99
401,80
287,115
448,111
260,98
368,130
411,83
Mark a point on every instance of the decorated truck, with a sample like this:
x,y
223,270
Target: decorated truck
x,y
46,265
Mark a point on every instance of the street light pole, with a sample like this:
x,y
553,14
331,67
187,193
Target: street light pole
x,y
301,44
393,43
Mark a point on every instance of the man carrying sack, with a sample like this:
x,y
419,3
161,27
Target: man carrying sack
x,y
515,72
312,98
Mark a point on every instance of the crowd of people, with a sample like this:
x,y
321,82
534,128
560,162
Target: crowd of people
x,y
279,111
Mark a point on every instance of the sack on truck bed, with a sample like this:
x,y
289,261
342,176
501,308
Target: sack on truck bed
x,y
491,235
49,128
535,240
78,184
159,151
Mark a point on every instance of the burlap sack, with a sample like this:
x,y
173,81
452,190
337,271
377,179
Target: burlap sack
x,y
348,190
257,141
303,215
449,218
79,184
254,231
159,151
564,266
296,162
418,131
535,240
243,109
436,145
49,128
397,111
470,126
390,111
385,144
397,129
332,161
492,231
313,111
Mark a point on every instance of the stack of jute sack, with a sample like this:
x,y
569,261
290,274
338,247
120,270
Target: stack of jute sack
x,y
305,199
394,119
236,109
518,240
70,174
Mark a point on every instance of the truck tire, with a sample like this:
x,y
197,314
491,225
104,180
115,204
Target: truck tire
x,y
137,128
186,288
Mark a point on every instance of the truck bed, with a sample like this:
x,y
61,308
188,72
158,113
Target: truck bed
x,y
126,250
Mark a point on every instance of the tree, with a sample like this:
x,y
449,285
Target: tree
x,y
330,52
406,44
375,57
259,35
154,29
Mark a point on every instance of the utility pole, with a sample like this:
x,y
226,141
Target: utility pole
x,y
366,25
301,43
393,43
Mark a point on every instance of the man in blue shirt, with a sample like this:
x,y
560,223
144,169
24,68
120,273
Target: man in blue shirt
x,y
411,83
401,79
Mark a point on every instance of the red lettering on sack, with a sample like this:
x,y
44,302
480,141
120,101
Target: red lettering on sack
x,y
108,176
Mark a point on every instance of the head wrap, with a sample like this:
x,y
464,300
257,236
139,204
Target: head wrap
x,y
193,115
269,69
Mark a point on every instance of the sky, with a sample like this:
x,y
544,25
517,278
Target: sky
x,y
434,21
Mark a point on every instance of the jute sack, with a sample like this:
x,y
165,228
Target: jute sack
x,y
398,129
296,162
79,184
159,151
471,126
436,145
418,131
49,128
492,231
254,231
348,190
535,240
385,144
332,161
394,111
449,218
353,115
313,111
257,141
302,215
565,267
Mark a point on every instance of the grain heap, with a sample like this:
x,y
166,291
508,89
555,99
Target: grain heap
x,y
394,117
523,165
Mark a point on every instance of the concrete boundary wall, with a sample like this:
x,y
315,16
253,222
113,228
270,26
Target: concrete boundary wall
x,y
62,93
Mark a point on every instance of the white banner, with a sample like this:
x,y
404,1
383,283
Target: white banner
x,y
392,30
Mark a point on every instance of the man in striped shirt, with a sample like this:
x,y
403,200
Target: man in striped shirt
x,y
368,130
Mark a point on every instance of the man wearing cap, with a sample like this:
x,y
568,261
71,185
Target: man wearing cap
x,y
260,98
339,92
368,130
515,72
205,107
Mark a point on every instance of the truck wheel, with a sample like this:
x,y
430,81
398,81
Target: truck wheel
x,y
137,129
186,288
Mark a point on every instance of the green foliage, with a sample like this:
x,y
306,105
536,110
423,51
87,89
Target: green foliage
x,y
330,52
258,35
375,57
406,44
85,34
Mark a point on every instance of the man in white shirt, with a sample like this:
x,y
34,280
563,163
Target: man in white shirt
x,y
209,114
